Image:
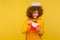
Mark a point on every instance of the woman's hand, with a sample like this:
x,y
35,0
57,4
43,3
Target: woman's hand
x,y
29,22
38,29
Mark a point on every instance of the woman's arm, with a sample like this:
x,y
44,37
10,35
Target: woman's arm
x,y
41,26
24,27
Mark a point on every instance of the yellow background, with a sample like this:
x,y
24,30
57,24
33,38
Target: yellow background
x,y
12,16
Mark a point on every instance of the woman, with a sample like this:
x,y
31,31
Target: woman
x,y
33,26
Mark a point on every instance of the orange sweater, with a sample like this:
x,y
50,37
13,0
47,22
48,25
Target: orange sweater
x,y
33,35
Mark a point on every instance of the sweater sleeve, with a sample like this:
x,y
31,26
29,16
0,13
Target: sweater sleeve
x,y
24,27
41,26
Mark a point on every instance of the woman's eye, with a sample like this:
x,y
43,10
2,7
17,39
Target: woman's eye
x,y
33,12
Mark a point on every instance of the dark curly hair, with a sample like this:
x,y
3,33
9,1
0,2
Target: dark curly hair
x,y
32,9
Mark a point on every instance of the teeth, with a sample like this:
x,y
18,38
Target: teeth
x,y
34,24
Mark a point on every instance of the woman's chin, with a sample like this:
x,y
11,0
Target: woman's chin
x,y
34,17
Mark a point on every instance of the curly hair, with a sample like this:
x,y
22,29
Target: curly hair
x,y
32,9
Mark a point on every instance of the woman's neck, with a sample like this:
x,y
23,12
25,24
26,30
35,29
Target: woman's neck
x,y
33,19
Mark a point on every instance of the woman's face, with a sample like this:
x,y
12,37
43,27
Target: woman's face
x,y
35,14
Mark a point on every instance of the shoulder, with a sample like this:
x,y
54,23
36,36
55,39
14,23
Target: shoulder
x,y
40,20
25,21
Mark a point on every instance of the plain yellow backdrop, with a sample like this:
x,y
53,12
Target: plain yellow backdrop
x,y
13,14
